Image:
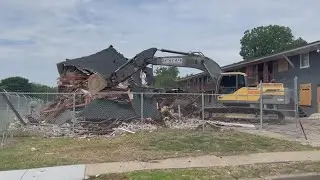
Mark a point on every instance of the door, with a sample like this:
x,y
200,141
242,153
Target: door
x,y
305,95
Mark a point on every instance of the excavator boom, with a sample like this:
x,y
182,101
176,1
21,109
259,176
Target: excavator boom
x,y
146,57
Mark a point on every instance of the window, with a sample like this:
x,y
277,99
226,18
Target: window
x,y
283,65
241,81
304,60
228,84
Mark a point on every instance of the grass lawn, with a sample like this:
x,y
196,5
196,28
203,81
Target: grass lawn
x,y
35,152
218,173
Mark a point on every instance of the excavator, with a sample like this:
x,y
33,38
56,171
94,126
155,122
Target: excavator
x,y
236,95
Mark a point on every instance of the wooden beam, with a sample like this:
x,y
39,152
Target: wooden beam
x,y
288,60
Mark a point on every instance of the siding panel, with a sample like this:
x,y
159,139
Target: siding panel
x,y
305,76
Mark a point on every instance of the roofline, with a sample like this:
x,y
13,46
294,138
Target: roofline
x,y
245,62
312,44
192,76
205,73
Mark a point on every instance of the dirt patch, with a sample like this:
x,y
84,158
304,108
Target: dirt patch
x,y
290,130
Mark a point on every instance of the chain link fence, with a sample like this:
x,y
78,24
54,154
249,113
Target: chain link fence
x,y
24,105
115,113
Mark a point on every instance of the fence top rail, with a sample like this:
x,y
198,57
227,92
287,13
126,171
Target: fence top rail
x,y
27,95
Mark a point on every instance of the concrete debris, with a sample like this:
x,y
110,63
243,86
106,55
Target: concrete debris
x,y
107,130
104,129
219,123
184,124
45,130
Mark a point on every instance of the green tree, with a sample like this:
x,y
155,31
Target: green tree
x,y
16,84
20,84
265,40
166,77
42,88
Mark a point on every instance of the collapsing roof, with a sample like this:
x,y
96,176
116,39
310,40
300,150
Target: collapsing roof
x,y
98,103
103,62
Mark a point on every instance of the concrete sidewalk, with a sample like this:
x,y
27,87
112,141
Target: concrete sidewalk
x,y
202,161
72,172
79,172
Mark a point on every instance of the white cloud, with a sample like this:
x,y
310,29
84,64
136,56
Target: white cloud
x,y
52,31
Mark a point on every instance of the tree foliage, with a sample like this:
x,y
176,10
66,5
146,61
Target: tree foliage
x,y
166,77
21,84
16,84
265,40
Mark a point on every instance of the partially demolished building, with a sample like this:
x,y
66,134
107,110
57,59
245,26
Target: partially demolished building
x,y
80,82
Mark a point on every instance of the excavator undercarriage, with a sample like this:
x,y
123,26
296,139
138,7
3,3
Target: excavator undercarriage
x,y
191,106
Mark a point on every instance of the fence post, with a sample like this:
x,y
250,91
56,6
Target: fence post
x,y
25,104
8,108
202,105
179,112
1,126
74,112
7,103
261,104
142,118
296,106
202,109
18,105
296,100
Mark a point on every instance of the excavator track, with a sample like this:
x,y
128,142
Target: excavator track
x,y
210,111
219,111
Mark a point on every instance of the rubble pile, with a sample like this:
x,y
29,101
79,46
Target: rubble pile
x,y
70,130
190,123
99,110
46,130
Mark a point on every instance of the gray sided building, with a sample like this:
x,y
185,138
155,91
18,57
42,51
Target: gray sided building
x,y
302,62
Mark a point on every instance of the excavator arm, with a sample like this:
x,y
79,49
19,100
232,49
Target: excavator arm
x,y
146,57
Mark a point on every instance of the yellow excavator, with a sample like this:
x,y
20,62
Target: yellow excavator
x,y
234,89
236,95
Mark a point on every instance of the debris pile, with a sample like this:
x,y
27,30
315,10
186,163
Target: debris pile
x,y
99,110
80,82
47,130
51,130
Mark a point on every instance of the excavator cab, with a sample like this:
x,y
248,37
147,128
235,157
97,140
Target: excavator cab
x,y
230,82
233,87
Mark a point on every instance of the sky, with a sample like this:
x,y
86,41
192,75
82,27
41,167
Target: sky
x,y
37,34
